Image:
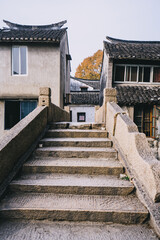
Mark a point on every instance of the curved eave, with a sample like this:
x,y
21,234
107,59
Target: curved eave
x,y
29,27
116,40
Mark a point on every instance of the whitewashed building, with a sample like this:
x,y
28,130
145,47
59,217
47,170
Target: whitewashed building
x,y
133,68
31,57
83,99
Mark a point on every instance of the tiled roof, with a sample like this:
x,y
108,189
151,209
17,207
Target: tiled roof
x,y
24,33
123,49
79,98
31,35
95,84
32,27
132,95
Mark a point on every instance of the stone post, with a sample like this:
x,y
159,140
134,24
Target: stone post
x,y
110,95
44,96
45,100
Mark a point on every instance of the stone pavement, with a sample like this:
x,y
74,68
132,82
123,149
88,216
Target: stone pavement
x,y
45,230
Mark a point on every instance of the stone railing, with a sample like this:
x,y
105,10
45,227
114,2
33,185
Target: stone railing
x,y
20,141
109,96
16,142
134,148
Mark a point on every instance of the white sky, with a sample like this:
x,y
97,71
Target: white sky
x,y
88,21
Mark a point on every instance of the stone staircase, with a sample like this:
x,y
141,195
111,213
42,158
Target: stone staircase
x,y
73,175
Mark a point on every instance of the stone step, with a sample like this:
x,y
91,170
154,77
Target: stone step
x,y
74,133
72,184
54,230
73,166
75,152
76,125
76,142
116,209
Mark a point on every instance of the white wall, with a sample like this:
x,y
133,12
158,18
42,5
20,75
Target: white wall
x,y
89,110
43,71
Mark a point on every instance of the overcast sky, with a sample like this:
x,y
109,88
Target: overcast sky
x,y
88,21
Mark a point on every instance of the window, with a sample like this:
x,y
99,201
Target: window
x,y
84,89
133,73
156,74
81,117
144,119
17,110
19,60
119,76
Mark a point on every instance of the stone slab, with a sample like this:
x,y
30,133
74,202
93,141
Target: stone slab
x,y
74,133
116,209
73,166
77,125
72,184
84,152
47,230
76,142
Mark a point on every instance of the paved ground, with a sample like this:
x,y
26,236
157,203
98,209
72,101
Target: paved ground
x,y
45,230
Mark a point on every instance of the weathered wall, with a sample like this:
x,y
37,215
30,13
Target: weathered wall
x,y
43,70
58,114
89,110
129,111
64,70
106,75
135,148
99,114
19,138
1,118
109,95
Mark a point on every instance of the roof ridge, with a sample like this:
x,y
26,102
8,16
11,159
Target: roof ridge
x,y
116,40
84,79
32,27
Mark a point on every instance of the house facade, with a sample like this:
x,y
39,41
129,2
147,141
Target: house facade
x,y
84,96
31,57
133,68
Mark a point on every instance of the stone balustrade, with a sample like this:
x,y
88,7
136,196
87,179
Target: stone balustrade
x,y
19,142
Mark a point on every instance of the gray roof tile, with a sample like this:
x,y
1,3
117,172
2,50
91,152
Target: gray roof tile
x,y
123,49
31,33
85,98
132,95
36,35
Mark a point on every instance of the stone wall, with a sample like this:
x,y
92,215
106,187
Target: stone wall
x,y
109,96
99,114
18,139
134,147
155,147
58,114
19,142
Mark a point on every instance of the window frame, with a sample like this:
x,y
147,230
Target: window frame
x,y
138,66
78,115
20,74
142,122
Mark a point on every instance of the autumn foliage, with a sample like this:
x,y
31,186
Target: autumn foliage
x,y
90,68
